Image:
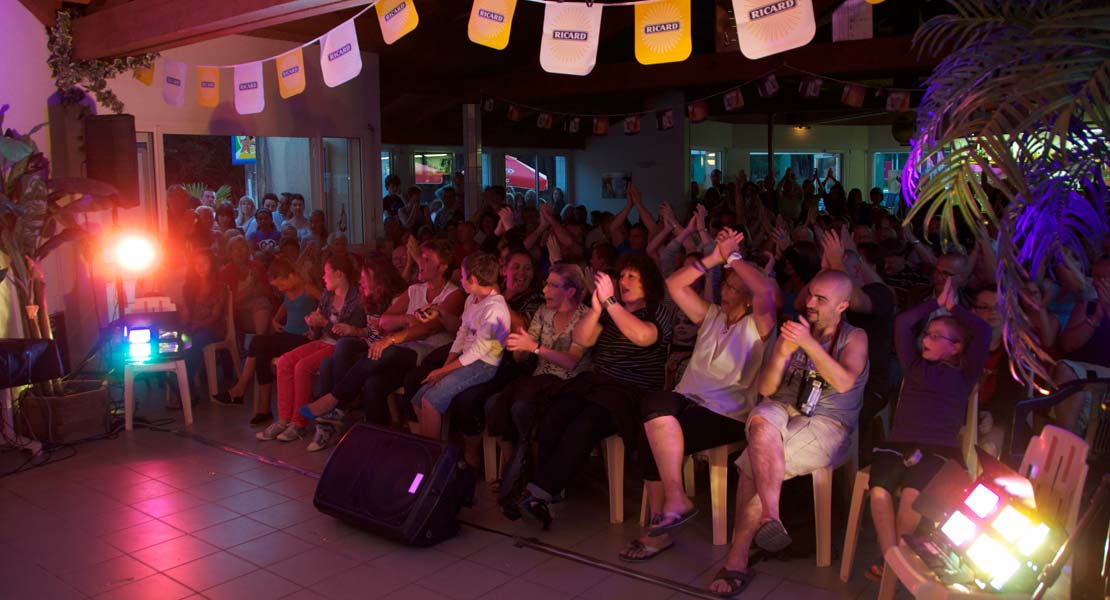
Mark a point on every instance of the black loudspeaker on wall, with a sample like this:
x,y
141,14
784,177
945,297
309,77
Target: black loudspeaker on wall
x,y
110,154
398,485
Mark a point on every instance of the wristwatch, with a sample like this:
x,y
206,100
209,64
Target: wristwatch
x,y
611,300
537,350
733,257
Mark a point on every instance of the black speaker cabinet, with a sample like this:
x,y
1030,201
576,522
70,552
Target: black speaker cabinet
x,y
398,485
111,156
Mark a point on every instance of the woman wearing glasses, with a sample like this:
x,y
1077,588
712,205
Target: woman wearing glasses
x,y
937,379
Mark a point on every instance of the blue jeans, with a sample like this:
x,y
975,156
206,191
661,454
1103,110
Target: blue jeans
x,y
440,394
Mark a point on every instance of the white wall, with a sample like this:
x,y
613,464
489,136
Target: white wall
x,y
855,143
657,160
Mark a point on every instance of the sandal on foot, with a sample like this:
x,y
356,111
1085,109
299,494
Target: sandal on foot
x,y
772,537
537,509
642,551
737,581
677,520
875,572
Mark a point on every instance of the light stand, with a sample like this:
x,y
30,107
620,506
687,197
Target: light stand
x,y
1051,571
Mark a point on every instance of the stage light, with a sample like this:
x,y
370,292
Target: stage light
x,y
959,529
138,352
1011,524
135,253
982,501
994,560
138,336
1033,540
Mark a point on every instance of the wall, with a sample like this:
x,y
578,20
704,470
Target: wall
x,y
657,160
855,143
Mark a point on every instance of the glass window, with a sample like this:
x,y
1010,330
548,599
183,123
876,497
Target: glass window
x,y
343,187
529,174
804,165
886,174
433,169
387,168
702,163
144,145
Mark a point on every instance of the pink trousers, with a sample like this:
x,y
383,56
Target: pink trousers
x,y
294,379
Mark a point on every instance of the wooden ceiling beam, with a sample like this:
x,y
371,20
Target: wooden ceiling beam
x,y
150,25
43,10
848,59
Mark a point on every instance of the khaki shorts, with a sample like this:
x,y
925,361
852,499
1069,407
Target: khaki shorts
x,y
809,443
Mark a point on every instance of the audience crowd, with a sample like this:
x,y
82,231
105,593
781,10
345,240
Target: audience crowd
x,y
788,316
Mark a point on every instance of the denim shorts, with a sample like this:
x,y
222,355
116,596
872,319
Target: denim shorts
x,y
440,394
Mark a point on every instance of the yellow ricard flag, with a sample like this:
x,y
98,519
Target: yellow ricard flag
x,y
208,86
490,22
570,32
396,17
290,72
766,27
145,75
663,31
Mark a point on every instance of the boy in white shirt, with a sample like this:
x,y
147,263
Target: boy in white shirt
x,y
479,344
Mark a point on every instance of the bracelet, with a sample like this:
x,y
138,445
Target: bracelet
x,y
537,350
733,257
611,300
700,267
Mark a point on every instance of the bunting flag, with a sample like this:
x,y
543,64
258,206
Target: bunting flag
x,y
853,95
734,100
208,86
515,114
768,86
490,22
290,72
810,87
396,17
488,105
543,121
662,31
665,119
145,75
250,97
173,82
898,102
574,124
570,32
697,111
340,59
852,21
601,125
632,125
765,28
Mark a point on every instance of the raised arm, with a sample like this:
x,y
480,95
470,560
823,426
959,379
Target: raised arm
x,y
978,347
638,332
616,237
645,215
905,343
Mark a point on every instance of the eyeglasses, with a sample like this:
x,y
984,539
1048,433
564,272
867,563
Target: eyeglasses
x,y
985,307
547,284
937,336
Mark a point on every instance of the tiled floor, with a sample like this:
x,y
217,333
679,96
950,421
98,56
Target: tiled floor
x,y
153,515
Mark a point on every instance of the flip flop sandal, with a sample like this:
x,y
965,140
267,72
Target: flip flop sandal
x,y
772,537
875,572
679,521
646,552
737,581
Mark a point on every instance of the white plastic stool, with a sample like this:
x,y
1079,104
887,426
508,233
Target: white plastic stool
x,y
129,372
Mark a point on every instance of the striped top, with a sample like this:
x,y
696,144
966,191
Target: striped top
x,y
643,367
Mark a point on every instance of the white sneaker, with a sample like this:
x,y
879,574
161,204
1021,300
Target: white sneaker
x,y
292,433
271,432
322,439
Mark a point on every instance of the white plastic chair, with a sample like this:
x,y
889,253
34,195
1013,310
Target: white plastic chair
x,y
229,343
149,305
717,458
969,436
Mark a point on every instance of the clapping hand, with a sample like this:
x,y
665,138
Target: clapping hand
x,y
427,314
947,297
798,334
667,214
315,319
833,250
728,241
519,340
603,286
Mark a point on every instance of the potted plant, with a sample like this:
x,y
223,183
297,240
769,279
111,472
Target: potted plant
x,y
38,215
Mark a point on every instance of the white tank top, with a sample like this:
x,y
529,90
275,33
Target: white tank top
x,y
418,299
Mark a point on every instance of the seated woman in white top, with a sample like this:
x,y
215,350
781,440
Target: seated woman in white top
x,y
709,405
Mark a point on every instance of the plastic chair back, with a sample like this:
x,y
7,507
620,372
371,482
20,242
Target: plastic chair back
x,y
1056,464
151,304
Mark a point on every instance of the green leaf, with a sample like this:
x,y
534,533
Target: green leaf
x,y
15,150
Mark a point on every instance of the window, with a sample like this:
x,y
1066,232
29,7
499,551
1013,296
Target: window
x,y
387,168
886,174
343,187
804,165
702,163
433,169
538,173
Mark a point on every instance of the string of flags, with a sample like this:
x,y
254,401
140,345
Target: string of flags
x,y
569,46
810,86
